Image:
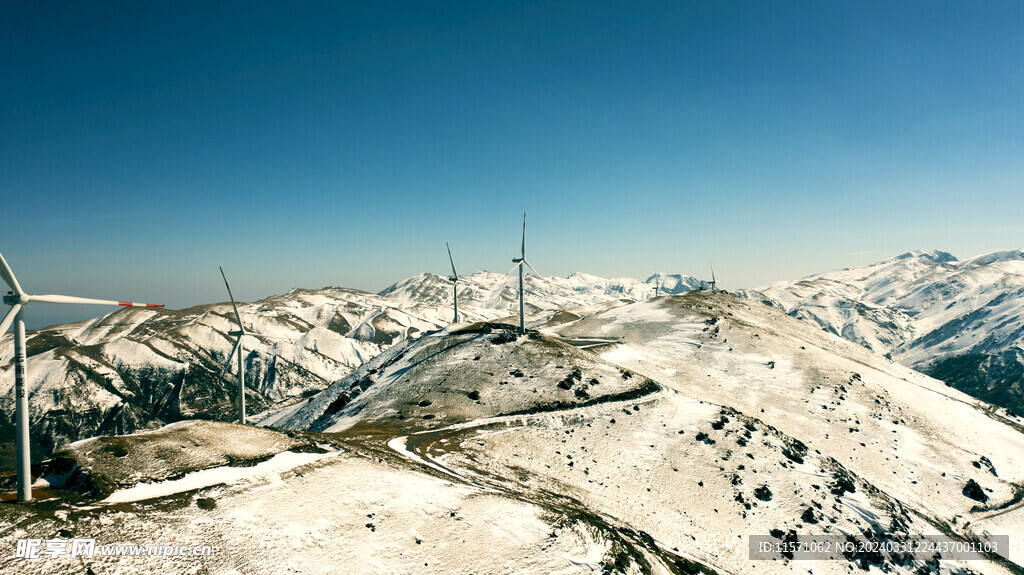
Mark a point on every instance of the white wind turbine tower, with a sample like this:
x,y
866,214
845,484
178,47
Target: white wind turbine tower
x,y
239,334
455,279
520,261
18,299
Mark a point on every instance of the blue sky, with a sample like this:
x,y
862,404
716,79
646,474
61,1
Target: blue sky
x,y
310,144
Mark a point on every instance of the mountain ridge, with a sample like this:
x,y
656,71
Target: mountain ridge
x,y
135,368
959,320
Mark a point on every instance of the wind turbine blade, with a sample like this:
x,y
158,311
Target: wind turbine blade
x,y
71,299
454,273
712,271
9,318
511,270
268,336
227,364
524,236
238,317
8,275
532,268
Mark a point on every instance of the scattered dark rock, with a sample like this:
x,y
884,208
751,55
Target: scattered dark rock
x,y
763,493
205,503
504,336
704,437
425,403
808,516
795,451
986,463
843,484
474,395
516,373
739,499
974,491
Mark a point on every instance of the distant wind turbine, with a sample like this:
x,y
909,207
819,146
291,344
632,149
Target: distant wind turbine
x,y
455,279
18,299
713,283
239,334
520,261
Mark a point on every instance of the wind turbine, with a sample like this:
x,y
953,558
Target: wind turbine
x,y
18,299
713,284
520,261
239,334
455,279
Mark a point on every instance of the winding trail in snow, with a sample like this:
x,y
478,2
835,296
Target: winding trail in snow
x,y
416,447
1015,504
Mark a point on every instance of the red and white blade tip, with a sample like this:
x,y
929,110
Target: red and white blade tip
x,y
133,304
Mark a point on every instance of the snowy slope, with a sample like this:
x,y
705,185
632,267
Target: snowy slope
x,y
137,368
705,420
960,321
734,419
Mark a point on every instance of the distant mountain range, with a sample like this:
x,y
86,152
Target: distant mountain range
x,y
485,292
958,321
137,368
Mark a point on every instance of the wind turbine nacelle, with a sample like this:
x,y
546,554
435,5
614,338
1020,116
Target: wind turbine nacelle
x,y
516,260
12,299
236,333
453,279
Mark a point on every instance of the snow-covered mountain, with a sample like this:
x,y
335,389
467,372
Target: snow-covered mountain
x,y
959,321
136,368
486,291
705,419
